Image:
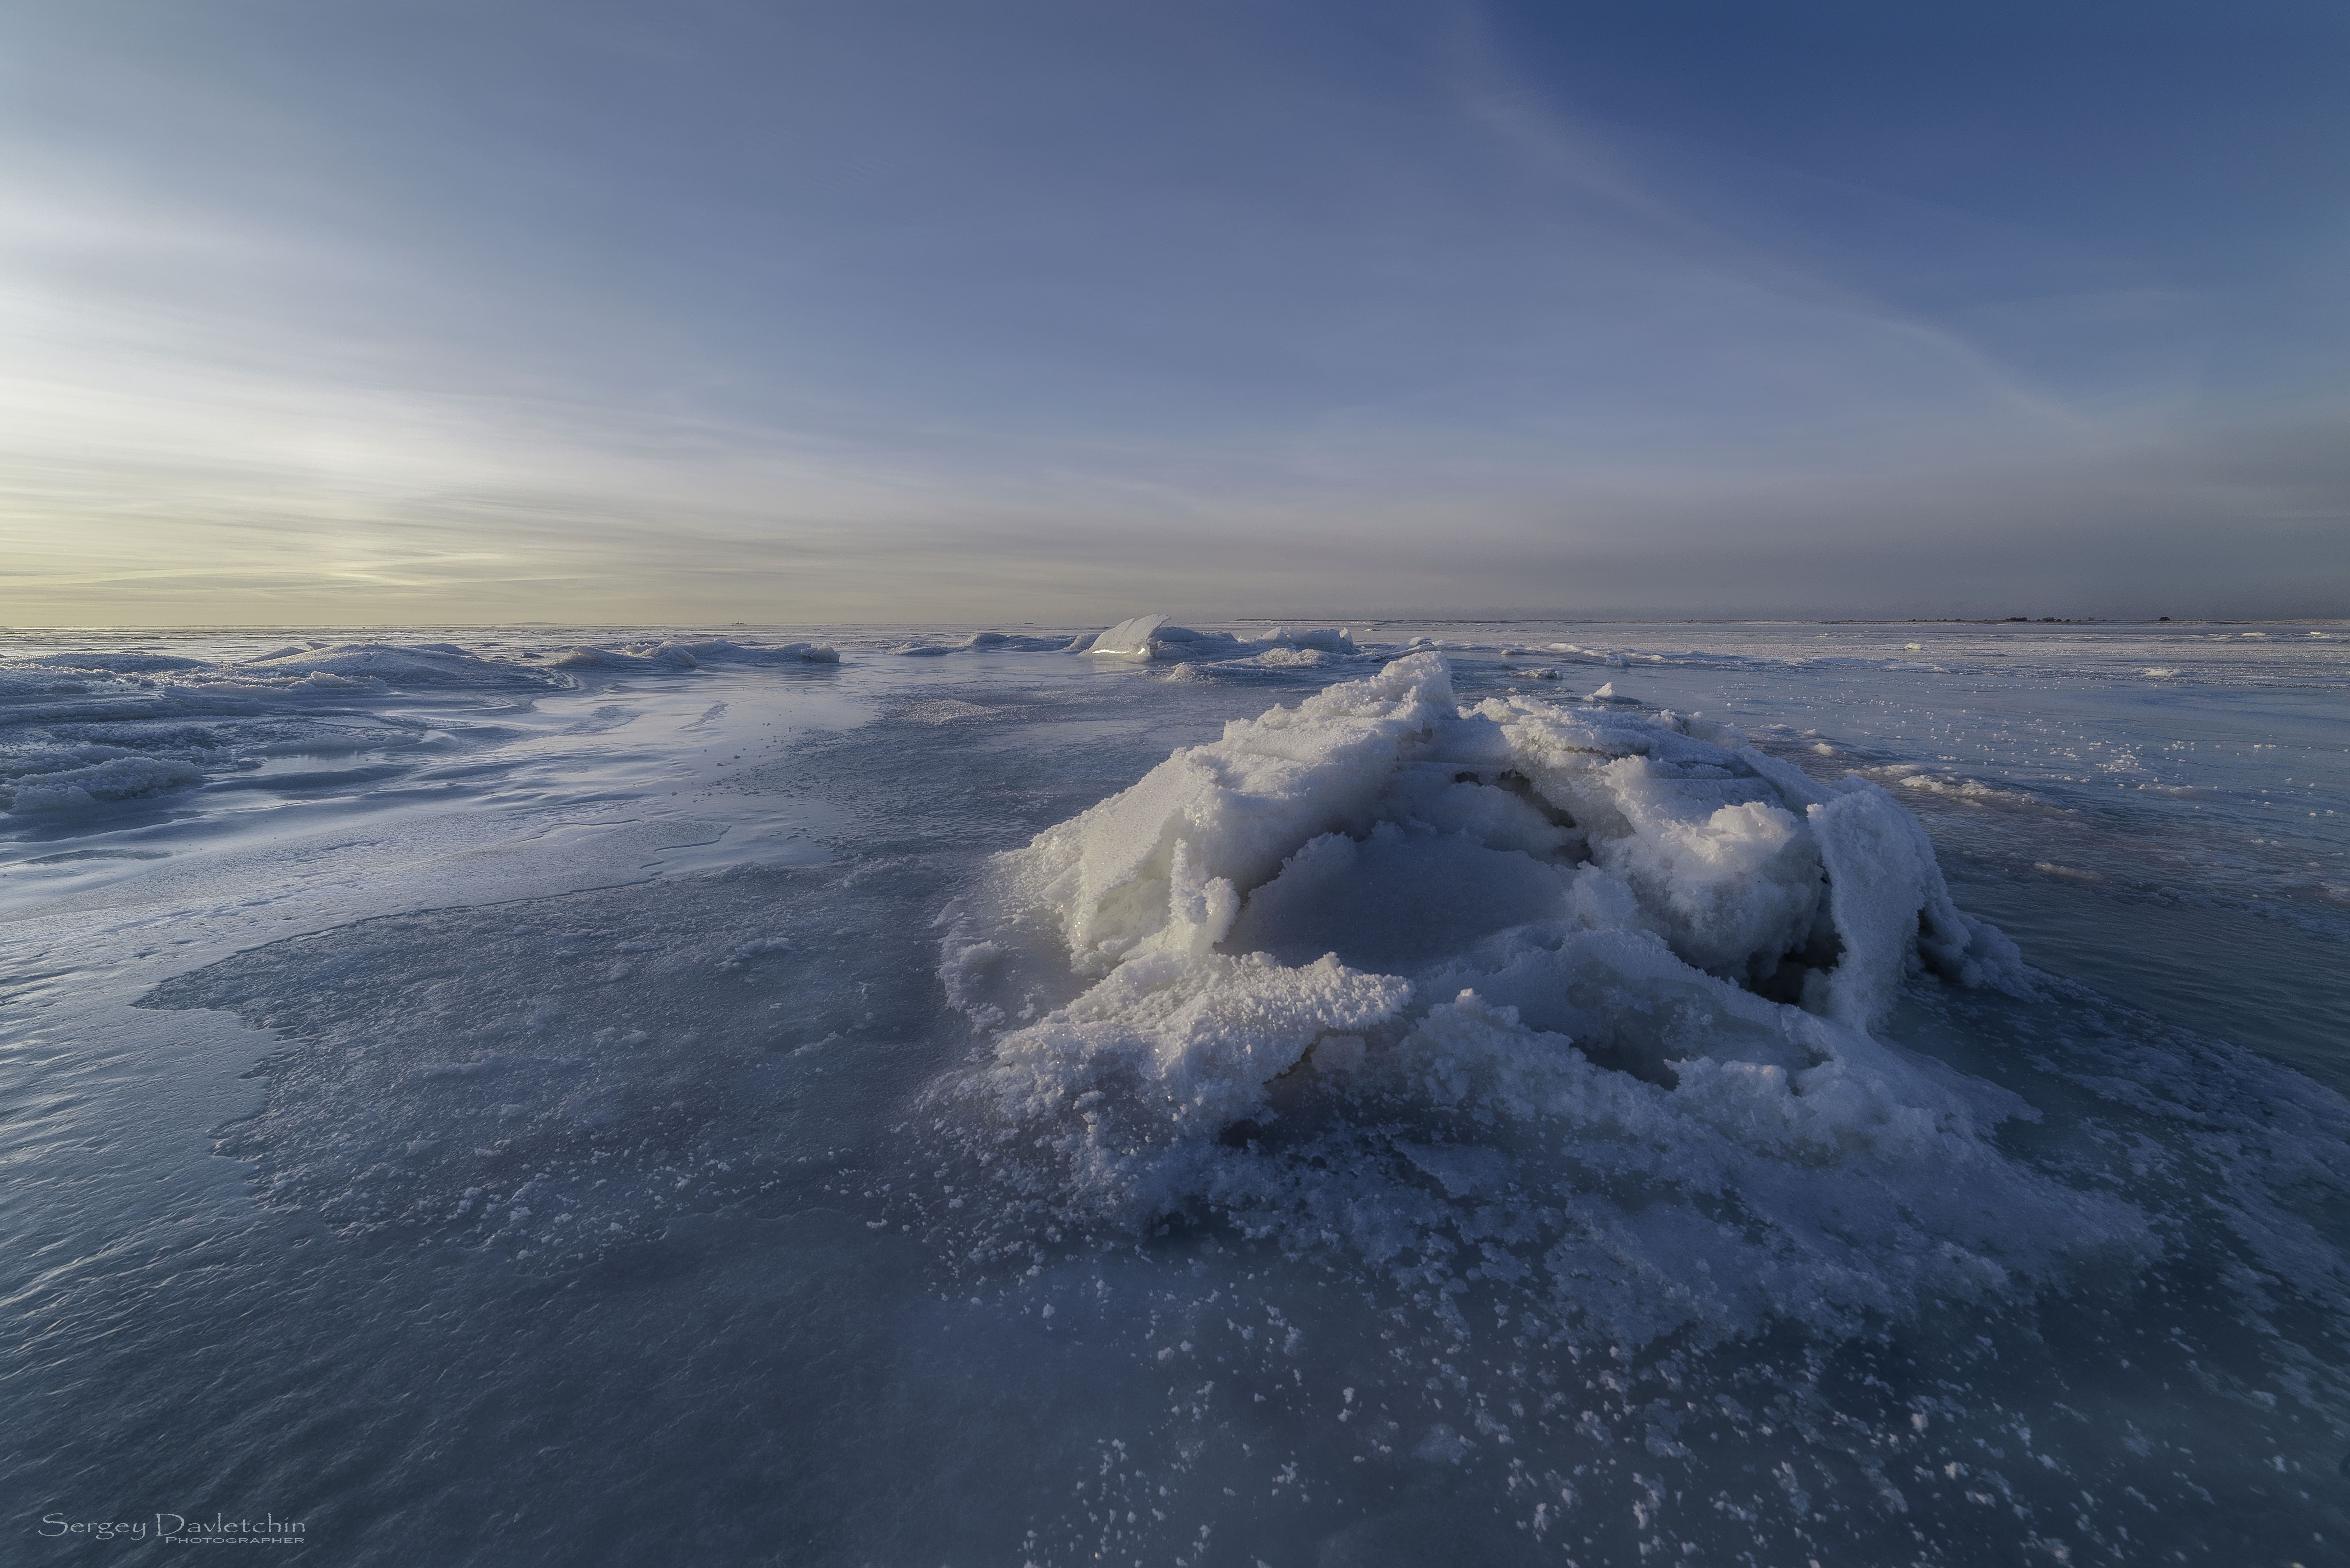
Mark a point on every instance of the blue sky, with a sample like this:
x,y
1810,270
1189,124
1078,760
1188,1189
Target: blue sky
x,y
372,313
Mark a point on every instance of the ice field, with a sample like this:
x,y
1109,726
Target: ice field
x,y
1390,1094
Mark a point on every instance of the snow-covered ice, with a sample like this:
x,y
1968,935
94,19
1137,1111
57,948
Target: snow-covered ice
x,y
1226,1093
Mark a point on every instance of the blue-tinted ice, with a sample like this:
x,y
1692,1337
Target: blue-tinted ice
x,y
1201,1095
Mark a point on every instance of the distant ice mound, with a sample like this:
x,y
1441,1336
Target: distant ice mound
x,y
675,655
1576,999
985,642
1154,638
86,730
133,663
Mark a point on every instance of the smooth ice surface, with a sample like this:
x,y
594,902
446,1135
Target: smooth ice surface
x,y
1161,1093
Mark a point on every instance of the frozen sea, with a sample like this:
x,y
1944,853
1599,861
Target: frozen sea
x,y
927,1096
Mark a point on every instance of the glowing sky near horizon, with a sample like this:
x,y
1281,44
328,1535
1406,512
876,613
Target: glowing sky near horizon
x,y
432,312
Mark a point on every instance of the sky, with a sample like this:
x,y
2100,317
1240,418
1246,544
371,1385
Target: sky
x,y
472,311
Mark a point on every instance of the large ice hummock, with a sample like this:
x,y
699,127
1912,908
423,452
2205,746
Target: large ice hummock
x,y
1668,826
1599,947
